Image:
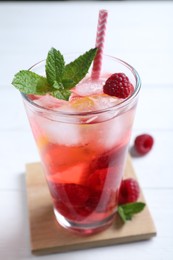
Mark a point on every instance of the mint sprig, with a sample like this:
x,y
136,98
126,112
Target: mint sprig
x,y
29,82
60,78
126,211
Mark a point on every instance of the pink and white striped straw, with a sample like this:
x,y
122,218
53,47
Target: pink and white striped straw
x,y
100,38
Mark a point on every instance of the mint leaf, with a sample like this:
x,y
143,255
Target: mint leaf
x,y
29,82
61,94
127,211
77,69
54,66
58,85
68,82
121,213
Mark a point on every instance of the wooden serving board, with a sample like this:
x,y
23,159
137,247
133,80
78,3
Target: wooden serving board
x,y
47,236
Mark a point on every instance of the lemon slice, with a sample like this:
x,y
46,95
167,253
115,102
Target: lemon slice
x,y
83,104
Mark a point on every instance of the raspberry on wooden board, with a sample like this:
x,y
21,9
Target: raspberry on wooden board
x,y
129,191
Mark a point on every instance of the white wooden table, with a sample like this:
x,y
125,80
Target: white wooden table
x,y
138,32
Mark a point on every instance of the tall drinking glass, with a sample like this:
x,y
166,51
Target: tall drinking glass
x,y
83,153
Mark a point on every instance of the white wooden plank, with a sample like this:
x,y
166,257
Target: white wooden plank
x,y
12,113
149,50
155,169
18,148
155,108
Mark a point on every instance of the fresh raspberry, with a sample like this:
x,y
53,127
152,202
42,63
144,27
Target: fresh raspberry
x,y
118,85
143,143
129,191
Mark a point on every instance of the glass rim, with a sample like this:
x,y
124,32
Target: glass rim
x,y
118,106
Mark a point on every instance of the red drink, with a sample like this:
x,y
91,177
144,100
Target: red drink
x,y
84,179
83,145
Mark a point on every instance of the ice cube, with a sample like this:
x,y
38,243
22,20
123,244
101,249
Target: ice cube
x,y
49,102
103,101
114,132
89,87
59,132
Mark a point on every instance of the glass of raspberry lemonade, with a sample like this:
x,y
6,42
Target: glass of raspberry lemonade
x,y
83,143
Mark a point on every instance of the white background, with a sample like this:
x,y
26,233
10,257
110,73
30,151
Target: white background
x,y
138,32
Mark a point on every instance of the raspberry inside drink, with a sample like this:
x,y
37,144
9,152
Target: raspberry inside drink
x,y
83,145
84,179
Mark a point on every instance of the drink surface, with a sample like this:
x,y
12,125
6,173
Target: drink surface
x,y
83,158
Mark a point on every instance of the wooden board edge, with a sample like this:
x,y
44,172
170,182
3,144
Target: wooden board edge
x,y
93,244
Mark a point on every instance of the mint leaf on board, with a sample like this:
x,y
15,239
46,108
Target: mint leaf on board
x,y
127,211
77,69
29,82
54,66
